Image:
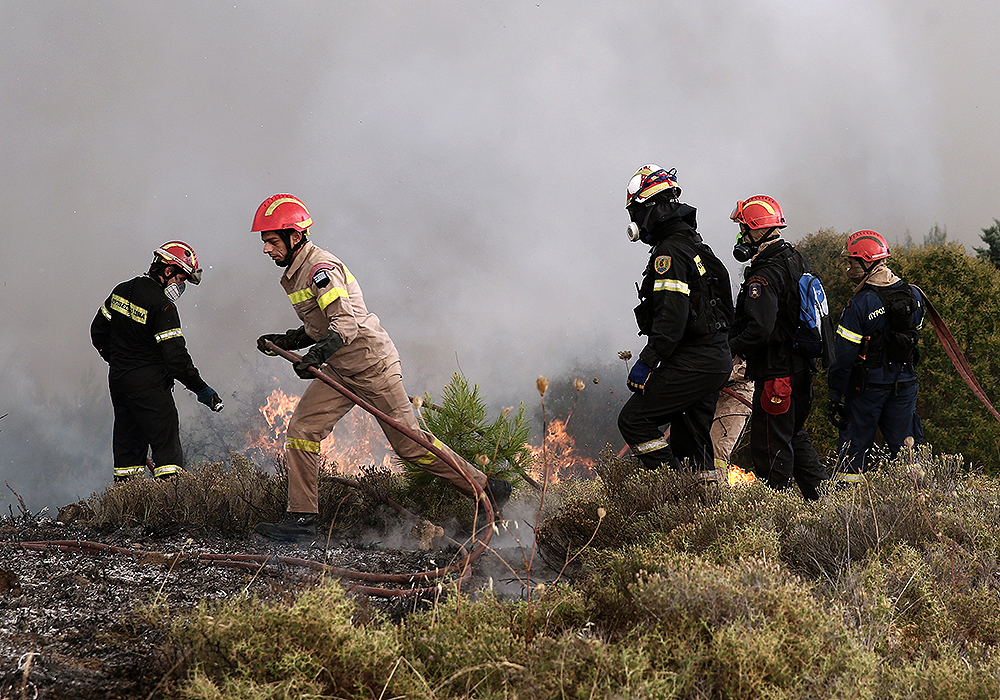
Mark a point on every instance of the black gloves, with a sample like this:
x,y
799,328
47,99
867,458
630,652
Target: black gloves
x,y
292,339
210,398
324,348
835,412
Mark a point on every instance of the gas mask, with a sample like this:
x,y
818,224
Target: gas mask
x,y
746,247
173,290
652,214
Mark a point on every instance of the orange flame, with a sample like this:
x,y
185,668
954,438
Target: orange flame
x,y
738,477
356,441
560,453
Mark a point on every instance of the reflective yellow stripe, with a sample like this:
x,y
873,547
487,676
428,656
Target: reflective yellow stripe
x,y
671,286
849,336
849,478
104,310
348,275
301,295
651,446
167,335
300,444
129,471
166,470
721,464
429,457
331,296
127,308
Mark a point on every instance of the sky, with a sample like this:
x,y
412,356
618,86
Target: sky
x,y
467,160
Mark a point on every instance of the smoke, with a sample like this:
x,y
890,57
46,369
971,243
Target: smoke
x,y
467,161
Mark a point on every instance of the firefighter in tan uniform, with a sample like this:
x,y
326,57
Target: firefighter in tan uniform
x,y
732,412
352,346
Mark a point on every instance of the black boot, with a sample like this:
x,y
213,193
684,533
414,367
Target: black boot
x,y
498,491
294,527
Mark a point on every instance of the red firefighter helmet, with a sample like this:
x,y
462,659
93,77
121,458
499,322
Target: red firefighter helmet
x,y
757,212
180,254
866,245
280,211
650,180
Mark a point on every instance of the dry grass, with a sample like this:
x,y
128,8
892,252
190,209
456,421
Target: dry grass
x,y
889,589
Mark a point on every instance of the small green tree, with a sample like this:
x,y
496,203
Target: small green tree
x,y
991,237
498,447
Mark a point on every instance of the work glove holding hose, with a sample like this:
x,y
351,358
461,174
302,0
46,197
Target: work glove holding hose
x,y
326,346
292,339
210,398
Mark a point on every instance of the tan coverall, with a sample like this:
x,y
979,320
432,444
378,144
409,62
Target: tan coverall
x,y
731,415
326,296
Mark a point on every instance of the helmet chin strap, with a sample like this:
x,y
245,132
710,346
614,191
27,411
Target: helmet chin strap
x,y
292,249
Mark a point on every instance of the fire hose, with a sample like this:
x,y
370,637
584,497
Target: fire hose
x,y
258,561
955,354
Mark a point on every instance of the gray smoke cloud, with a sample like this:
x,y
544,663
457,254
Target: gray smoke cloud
x,y
468,161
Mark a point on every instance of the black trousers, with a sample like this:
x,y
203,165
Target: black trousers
x,y
684,399
145,418
780,448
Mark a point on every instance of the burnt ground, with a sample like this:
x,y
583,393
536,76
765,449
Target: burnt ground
x,y
78,625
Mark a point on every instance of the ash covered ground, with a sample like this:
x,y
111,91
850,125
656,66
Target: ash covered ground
x,y
91,625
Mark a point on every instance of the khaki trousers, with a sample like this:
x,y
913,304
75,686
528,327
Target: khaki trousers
x,y
321,406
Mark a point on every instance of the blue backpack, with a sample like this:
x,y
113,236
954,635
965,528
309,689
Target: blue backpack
x,y
814,333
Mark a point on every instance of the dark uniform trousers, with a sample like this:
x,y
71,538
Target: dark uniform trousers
x,y
781,443
891,408
145,419
684,399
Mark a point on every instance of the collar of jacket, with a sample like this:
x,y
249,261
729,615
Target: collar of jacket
x,y
881,276
299,260
768,249
684,219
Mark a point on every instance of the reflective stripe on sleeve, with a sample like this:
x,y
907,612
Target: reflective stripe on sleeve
x,y
301,295
849,336
105,312
167,335
303,445
671,286
331,296
129,471
849,478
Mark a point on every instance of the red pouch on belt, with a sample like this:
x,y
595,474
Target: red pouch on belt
x,y
777,395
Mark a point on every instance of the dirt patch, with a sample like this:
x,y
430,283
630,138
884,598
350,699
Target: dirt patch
x,y
77,625
88,625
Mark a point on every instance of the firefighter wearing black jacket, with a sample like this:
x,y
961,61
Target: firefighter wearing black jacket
x,y
685,310
873,382
767,310
138,333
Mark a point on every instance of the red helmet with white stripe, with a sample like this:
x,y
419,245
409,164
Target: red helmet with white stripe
x,y
282,211
180,254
